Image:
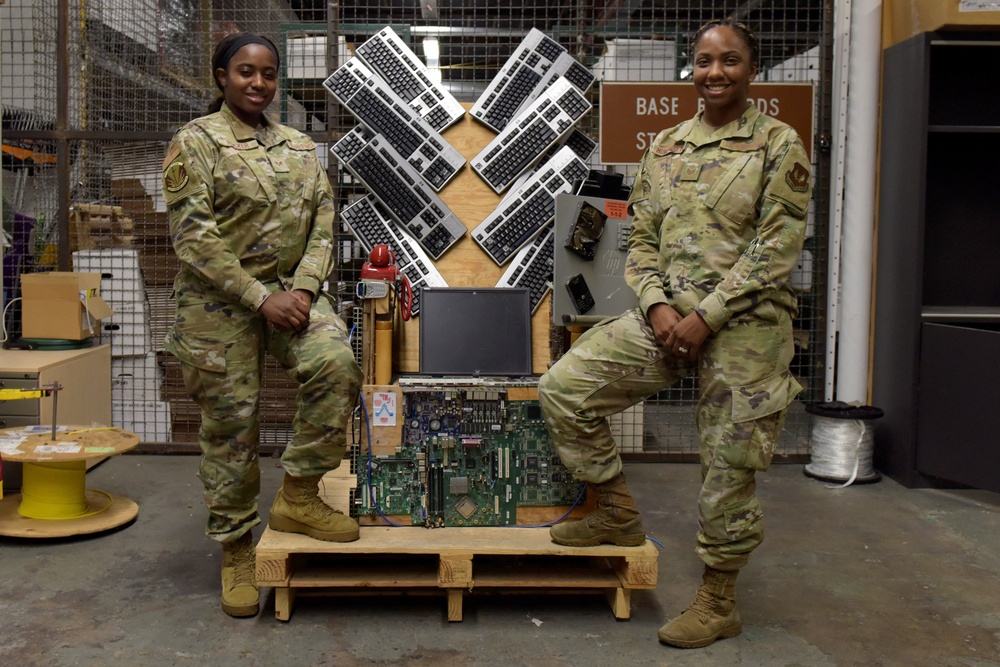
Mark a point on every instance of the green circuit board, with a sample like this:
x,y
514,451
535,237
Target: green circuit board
x,y
468,457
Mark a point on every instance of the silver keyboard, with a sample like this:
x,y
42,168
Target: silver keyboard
x,y
411,203
518,219
521,144
372,101
517,80
567,66
387,55
532,267
371,225
577,141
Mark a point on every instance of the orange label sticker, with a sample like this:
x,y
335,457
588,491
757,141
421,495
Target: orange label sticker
x,y
616,209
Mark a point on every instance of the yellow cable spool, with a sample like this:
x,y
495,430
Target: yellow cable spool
x,y
55,490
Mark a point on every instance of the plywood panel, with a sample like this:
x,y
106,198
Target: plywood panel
x,y
465,264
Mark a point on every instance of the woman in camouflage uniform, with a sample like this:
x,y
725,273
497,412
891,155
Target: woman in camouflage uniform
x,y
719,204
251,219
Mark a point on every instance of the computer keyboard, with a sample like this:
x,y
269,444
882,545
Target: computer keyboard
x,y
411,203
371,225
517,80
567,66
371,100
387,55
532,267
580,143
522,143
577,141
517,219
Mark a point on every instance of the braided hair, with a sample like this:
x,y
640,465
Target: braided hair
x,y
746,35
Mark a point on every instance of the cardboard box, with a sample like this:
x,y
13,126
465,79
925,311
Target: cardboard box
x,y
902,19
64,305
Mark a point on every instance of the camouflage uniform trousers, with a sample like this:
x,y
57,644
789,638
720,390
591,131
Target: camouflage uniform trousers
x,y
745,389
221,347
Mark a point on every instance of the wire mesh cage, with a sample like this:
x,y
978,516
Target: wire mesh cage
x,y
92,92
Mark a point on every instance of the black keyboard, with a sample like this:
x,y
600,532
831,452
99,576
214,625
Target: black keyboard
x,y
518,80
371,100
532,267
522,143
411,203
519,218
387,55
371,224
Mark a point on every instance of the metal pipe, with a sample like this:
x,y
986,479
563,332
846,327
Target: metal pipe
x,y
62,126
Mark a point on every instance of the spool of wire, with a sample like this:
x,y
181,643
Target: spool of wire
x,y
842,443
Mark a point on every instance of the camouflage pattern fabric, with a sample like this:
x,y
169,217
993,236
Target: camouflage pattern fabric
x,y
719,224
251,213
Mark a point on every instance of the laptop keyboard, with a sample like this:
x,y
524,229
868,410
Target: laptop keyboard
x,y
371,100
532,267
411,203
371,225
521,144
387,55
518,218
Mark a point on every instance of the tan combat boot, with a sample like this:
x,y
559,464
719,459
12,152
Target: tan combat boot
x,y
239,586
615,521
298,509
712,615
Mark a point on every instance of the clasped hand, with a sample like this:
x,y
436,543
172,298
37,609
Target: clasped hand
x,y
288,311
683,336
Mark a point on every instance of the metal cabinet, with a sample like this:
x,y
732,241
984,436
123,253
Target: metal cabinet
x,y
937,299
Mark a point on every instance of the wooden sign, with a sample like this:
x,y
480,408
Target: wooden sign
x,y
632,114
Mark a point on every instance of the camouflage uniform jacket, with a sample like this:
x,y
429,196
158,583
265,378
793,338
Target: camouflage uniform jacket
x,y
247,207
719,220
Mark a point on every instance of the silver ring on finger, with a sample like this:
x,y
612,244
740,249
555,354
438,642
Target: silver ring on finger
x,y
682,350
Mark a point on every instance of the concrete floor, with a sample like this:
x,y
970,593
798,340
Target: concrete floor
x,y
870,575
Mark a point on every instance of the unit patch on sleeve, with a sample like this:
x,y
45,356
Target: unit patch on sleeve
x,y
175,176
798,177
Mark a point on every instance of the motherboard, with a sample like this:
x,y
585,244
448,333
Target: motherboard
x,y
468,457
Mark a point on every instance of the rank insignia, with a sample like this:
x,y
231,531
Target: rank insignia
x,y
691,171
175,176
798,177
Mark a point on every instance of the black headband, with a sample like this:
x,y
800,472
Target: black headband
x,y
239,42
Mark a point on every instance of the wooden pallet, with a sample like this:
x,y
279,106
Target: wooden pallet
x,y
94,226
453,561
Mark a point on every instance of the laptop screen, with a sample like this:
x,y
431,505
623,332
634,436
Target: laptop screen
x,y
475,331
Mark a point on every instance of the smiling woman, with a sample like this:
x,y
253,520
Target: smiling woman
x,y
719,216
251,220
725,64
245,68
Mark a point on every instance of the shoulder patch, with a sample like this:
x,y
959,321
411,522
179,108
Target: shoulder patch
x,y
302,145
175,176
798,177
